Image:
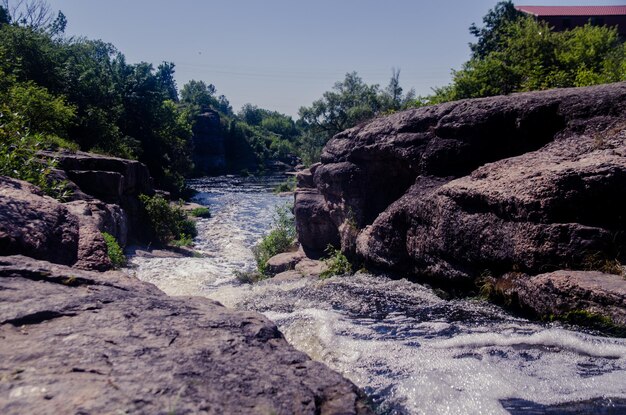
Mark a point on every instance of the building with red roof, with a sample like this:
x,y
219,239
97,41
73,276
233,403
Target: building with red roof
x,y
567,17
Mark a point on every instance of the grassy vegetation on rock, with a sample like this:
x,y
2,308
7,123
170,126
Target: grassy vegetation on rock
x,y
115,252
280,239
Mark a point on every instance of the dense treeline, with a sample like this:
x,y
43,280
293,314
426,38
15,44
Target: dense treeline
x,y
76,93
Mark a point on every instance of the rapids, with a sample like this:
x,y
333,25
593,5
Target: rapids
x,y
409,350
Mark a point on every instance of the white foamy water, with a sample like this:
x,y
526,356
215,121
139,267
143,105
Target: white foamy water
x,y
411,351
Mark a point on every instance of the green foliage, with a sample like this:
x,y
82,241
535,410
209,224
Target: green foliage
x,y
288,185
336,263
18,158
495,21
115,252
201,212
280,239
184,240
83,91
167,222
44,113
591,320
599,261
350,102
520,53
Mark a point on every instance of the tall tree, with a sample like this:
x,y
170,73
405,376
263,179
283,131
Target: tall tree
x,y
490,35
166,81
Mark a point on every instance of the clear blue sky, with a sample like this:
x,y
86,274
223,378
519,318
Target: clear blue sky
x,y
283,54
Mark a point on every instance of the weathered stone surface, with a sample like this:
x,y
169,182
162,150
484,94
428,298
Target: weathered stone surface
x,y
558,293
527,182
104,177
81,342
313,223
40,227
36,225
110,179
553,208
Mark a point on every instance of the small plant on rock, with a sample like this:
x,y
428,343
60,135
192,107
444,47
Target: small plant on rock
x,y
116,255
336,263
201,212
280,239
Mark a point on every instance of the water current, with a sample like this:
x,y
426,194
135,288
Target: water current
x,y
409,350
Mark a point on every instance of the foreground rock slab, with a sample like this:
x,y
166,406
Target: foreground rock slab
x,y
81,342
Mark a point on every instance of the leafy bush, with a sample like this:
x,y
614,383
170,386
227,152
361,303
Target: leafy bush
x,y
201,212
116,255
184,240
280,239
337,263
18,156
167,222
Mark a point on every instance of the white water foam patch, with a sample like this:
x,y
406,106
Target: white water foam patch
x,y
470,372
577,343
407,348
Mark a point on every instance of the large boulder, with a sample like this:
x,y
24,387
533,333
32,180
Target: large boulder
x,y
530,182
595,296
40,227
113,180
36,225
110,179
82,342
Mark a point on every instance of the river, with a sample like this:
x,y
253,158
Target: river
x,y
409,350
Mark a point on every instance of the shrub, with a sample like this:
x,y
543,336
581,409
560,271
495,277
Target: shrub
x,y
336,263
116,255
167,222
201,212
280,239
18,156
288,185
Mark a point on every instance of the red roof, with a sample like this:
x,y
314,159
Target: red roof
x,y
573,10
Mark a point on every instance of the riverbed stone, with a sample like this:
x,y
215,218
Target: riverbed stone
x,y
284,262
560,293
82,342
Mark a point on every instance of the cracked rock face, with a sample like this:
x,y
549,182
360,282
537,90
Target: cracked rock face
x,y
531,182
40,227
90,343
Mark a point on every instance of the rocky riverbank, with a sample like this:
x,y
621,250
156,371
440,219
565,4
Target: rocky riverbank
x,y
494,192
78,341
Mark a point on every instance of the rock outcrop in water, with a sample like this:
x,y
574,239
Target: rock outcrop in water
x,y
82,342
527,183
209,146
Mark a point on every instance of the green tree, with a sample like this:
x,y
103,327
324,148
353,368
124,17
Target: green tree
x,y
490,35
350,102
198,93
531,56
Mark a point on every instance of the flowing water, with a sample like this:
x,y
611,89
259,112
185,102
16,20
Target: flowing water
x,y
409,350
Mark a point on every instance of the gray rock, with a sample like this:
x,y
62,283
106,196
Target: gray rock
x,y
284,262
525,181
558,294
81,342
36,225
40,227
